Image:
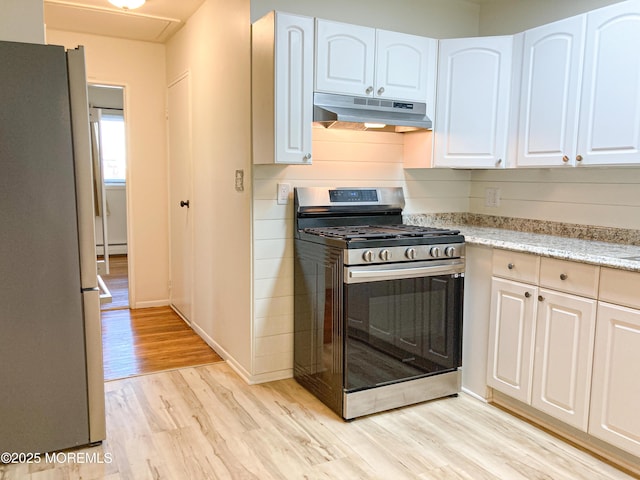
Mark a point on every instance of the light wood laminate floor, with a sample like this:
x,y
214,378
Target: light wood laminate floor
x,y
207,423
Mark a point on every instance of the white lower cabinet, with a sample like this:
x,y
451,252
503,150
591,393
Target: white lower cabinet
x,y
511,335
565,328
541,348
615,391
564,338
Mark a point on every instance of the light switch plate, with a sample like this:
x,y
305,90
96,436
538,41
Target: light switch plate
x,y
240,180
283,193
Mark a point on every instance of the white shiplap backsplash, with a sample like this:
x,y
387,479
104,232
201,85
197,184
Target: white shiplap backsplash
x,y
594,196
340,158
602,196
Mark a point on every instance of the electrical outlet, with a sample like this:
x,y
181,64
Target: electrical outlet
x,y
283,193
492,197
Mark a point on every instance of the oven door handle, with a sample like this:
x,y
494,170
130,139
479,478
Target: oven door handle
x,y
354,275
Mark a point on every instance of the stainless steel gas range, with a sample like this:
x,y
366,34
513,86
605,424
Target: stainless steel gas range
x,y
378,304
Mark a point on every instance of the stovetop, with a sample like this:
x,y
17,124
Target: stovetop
x,y
359,217
373,236
379,232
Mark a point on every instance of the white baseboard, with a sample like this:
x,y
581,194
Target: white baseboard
x,y
474,395
150,304
272,376
237,367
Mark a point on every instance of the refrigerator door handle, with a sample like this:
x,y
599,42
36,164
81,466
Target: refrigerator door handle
x,y
82,163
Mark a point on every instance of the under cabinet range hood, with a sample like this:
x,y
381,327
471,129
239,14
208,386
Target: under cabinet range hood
x,y
365,113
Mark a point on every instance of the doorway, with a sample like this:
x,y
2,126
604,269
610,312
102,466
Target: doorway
x,y
108,132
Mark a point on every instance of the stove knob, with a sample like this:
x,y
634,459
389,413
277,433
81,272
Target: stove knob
x,y
410,253
385,255
434,252
367,256
450,252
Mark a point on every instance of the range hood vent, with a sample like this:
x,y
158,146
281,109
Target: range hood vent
x,y
364,113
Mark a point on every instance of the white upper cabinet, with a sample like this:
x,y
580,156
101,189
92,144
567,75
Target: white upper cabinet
x,y
405,67
472,110
367,62
609,125
345,56
549,96
282,88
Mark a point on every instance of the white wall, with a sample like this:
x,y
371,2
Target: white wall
x,y
430,18
140,68
22,21
214,46
504,17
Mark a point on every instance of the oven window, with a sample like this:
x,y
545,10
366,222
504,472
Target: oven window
x,y
402,329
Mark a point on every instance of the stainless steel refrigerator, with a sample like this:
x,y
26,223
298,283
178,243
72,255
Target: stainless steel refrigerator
x,y
51,377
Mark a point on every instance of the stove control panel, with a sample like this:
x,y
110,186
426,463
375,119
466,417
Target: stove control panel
x,y
364,256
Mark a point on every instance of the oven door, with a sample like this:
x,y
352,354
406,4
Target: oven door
x,y
403,321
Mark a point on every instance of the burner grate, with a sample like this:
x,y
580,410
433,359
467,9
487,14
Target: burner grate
x,y
375,232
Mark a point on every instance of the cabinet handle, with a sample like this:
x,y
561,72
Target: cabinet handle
x,y
307,157
540,298
511,266
527,294
563,276
380,90
579,158
499,161
368,90
565,159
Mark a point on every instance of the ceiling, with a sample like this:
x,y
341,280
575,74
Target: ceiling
x,y
155,21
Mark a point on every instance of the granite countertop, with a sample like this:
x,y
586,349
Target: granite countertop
x,y
586,251
615,254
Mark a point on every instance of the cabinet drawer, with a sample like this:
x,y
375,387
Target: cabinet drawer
x,y
572,277
522,267
620,287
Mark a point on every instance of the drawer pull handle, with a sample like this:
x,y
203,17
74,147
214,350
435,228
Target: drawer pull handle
x,y
510,266
540,298
563,276
527,295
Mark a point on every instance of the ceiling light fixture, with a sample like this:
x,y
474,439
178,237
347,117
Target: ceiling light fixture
x,y
127,4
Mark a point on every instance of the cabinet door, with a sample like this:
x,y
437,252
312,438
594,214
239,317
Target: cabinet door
x,y
551,75
609,128
615,390
293,88
511,335
405,67
473,91
282,88
344,58
565,328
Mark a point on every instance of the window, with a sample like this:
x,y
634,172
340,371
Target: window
x,y
113,145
